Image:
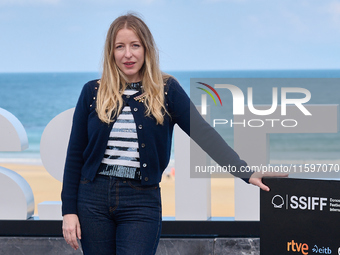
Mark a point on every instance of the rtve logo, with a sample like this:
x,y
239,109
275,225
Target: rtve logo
x,y
301,202
297,247
304,249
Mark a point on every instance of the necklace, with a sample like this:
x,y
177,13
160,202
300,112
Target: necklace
x,y
135,85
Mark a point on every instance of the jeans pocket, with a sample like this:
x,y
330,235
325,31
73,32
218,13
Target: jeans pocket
x,y
138,186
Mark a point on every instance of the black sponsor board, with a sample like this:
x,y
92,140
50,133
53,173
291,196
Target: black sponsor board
x,y
300,216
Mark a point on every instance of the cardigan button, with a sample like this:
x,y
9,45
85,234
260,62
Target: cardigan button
x,y
144,165
135,109
140,126
146,179
143,145
128,96
165,93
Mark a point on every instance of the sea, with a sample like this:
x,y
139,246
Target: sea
x,y
36,98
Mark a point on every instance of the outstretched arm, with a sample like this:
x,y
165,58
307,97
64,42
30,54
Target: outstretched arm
x,y
184,113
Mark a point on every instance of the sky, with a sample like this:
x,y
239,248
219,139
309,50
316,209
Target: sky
x,y
69,35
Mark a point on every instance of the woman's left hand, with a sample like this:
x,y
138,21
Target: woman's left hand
x,y
256,179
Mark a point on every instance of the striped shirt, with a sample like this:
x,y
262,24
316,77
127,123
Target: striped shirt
x,y
121,157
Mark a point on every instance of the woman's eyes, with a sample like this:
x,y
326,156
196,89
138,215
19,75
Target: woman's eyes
x,y
135,45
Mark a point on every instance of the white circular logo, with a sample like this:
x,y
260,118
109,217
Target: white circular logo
x,y
278,201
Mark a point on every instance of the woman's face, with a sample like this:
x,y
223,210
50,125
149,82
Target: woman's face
x,y
129,54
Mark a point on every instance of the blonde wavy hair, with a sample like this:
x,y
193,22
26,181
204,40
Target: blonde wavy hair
x,y
113,81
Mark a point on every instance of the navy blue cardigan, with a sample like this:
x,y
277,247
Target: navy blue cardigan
x,y
89,138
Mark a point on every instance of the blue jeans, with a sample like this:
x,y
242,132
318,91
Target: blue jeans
x,y
119,216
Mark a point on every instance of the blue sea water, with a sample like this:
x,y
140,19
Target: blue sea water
x,y
36,98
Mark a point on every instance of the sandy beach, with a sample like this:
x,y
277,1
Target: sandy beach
x,y
46,188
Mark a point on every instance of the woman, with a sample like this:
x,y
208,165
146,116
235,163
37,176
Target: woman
x,y
120,145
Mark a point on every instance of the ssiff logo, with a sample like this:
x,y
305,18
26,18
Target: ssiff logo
x,y
300,202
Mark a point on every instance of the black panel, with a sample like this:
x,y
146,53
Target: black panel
x,y
39,228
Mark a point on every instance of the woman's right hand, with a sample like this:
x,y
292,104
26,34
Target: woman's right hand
x,y
71,230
